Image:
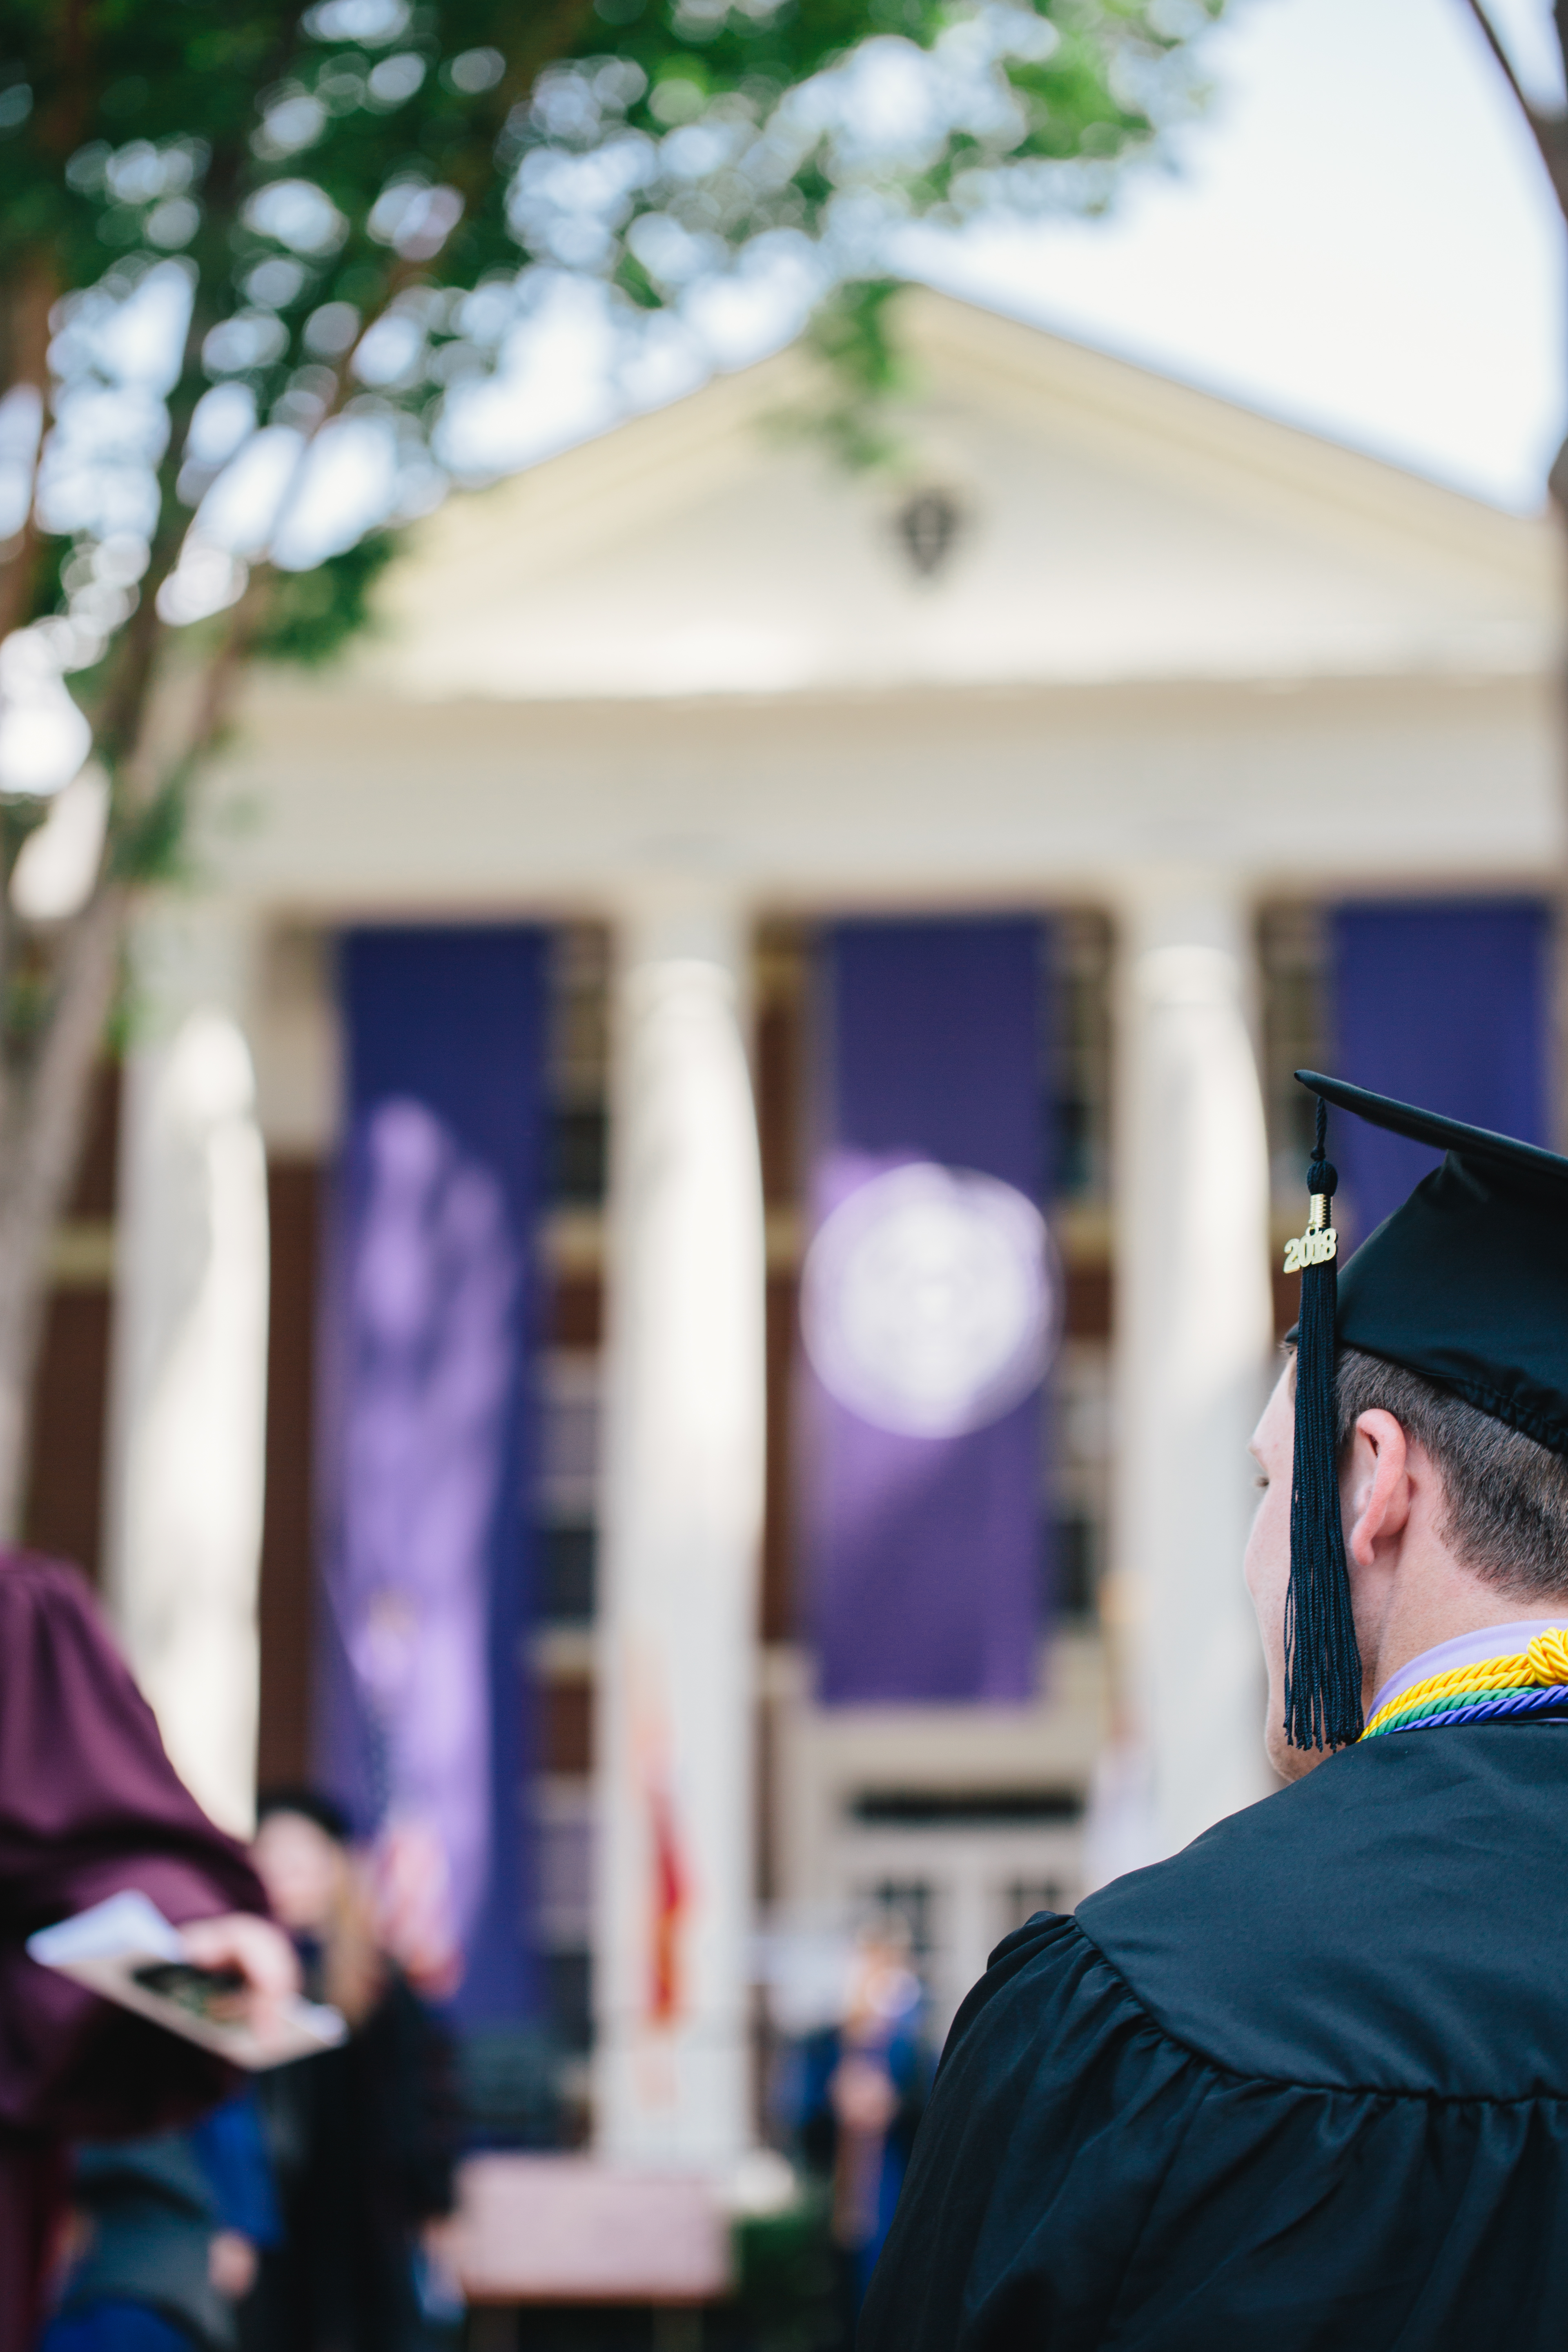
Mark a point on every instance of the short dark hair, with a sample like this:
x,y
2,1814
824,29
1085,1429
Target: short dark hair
x,y
311,1804
1507,1495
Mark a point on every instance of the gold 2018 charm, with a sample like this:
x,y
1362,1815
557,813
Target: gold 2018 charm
x,y
1318,1244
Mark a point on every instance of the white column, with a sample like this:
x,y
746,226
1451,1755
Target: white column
x,y
680,1525
189,1378
1193,1328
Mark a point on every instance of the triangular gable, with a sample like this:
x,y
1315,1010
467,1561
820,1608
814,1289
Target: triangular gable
x,y
1115,525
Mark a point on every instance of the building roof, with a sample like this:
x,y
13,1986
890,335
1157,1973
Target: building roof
x,y
1112,525
1168,632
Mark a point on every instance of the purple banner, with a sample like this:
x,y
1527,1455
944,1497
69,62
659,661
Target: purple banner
x,y
1446,1003
929,1305
426,1542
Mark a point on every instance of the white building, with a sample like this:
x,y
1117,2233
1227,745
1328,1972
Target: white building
x,y
1175,674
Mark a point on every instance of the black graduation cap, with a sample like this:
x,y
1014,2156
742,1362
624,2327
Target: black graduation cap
x,y
1467,1283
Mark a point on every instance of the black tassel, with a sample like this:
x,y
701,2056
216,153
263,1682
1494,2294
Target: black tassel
x,y
1323,1662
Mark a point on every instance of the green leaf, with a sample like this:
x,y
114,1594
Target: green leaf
x,y
312,616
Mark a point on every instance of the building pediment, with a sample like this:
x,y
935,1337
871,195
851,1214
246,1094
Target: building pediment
x,y
1102,524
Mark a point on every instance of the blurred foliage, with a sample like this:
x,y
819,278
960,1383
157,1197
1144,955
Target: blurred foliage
x,y
852,334
149,843
310,615
362,203
154,124
784,2295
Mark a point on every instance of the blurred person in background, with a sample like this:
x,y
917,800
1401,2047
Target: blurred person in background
x,y
362,2138
90,1807
167,2234
858,2090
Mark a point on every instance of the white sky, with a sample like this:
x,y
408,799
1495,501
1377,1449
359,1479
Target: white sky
x,y
1357,236
1361,239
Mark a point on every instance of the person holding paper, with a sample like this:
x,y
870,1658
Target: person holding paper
x,y
89,1806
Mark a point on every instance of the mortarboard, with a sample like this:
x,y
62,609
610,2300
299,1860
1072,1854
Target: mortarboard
x,y
1467,1283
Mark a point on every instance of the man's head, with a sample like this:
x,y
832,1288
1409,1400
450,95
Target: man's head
x,y
1452,1520
300,1852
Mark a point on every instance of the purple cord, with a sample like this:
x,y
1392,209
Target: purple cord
x,y
1516,1703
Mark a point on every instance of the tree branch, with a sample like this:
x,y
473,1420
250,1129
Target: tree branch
x,y
87,969
44,1144
1505,66
32,294
225,669
1550,131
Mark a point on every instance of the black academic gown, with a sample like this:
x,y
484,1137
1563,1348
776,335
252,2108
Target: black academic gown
x,y
1302,2088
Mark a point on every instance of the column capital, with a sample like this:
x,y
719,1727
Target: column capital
x,y
1185,905
186,953
683,916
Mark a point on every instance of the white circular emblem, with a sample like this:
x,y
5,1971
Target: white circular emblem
x,y
929,1300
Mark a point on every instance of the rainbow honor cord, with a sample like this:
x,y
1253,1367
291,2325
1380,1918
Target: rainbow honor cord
x,y
1523,1684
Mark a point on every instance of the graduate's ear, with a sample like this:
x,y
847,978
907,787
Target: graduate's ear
x,y
1376,1485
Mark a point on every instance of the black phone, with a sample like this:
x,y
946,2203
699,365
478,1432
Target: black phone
x,y
216,1995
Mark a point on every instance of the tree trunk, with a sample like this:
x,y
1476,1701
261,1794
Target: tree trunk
x,y
26,329
43,1119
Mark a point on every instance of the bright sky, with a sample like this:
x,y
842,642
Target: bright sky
x,y
1357,236
1361,239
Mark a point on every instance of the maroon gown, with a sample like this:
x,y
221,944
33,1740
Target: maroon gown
x,y
89,1804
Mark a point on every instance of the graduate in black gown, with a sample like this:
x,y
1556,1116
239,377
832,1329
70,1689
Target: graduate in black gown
x,y
1304,2086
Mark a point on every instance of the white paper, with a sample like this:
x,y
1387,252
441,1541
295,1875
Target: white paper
x,y
103,1949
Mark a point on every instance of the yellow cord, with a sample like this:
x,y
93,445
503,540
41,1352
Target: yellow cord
x,y
1544,1663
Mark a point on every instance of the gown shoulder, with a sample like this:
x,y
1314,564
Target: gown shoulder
x,y
1238,2099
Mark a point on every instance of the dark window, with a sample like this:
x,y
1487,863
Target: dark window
x,y
1292,954
567,1565
965,1808
1071,1566
569,1999
579,1143
1077,1096
1025,1896
906,1904
579,1062
509,2078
